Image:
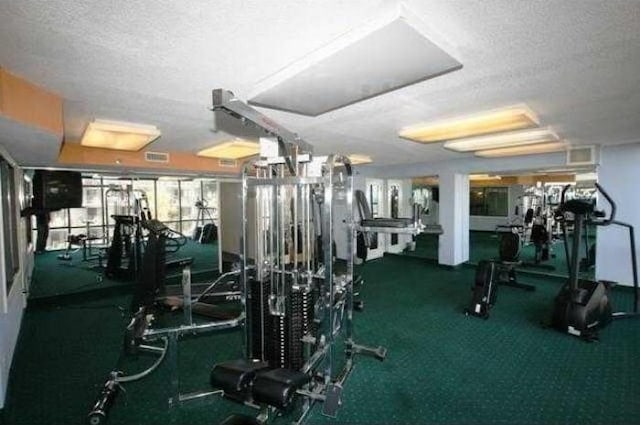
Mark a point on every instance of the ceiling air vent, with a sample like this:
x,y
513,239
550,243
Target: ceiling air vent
x,y
232,163
583,155
161,157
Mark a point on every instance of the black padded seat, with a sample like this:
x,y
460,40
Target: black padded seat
x,y
237,419
278,387
509,249
235,377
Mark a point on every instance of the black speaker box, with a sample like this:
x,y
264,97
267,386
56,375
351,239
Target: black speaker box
x,y
55,190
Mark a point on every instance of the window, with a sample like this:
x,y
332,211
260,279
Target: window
x,y
190,193
148,188
374,200
168,201
489,201
88,219
9,222
210,196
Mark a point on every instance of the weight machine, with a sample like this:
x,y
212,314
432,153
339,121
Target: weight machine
x,y
145,336
297,299
299,346
205,232
131,210
583,307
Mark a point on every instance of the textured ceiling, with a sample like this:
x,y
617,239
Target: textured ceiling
x,y
575,62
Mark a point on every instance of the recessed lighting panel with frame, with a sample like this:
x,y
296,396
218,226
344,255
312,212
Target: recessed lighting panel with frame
x,y
517,117
503,140
119,135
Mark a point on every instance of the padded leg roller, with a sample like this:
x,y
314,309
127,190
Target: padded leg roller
x,y
235,377
278,387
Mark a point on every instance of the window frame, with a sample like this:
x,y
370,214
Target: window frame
x,y
484,201
7,292
181,224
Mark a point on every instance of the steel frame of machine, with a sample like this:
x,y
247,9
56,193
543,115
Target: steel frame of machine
x,y
289,201
289,197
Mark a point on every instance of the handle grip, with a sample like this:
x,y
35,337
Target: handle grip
x,y
610,201
564,191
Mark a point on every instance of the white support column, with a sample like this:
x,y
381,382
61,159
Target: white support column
x,y
619,175
454,218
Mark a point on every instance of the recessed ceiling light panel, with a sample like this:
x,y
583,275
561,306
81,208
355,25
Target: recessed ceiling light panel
x,y
475,177
234,149
359,159
118,135
499,120
503,140
355,67
524,150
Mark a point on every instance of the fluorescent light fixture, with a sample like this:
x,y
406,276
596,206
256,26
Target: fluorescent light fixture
x,y
523,150
359,159
498,120
586,177
475,177
122,136
503,140
234,149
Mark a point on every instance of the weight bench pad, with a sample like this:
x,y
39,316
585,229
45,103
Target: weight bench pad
x,y
277,387
235,377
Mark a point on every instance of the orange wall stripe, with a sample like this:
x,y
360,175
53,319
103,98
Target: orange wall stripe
x,y
29,104
78,155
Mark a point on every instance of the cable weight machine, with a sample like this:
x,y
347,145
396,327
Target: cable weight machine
x,y
299,346
296,299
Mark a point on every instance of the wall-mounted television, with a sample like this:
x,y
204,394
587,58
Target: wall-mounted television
x,y
55,190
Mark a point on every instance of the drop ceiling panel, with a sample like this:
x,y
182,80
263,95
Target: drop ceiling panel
x,y
387,58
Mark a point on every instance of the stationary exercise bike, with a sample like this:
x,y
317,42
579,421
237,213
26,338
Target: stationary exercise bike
x,y
583,307
491,273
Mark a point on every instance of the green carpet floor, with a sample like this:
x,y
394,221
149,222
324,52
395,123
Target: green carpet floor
x,y
442,367
53,277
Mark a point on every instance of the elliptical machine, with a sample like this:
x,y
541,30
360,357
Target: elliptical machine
x,y
583,307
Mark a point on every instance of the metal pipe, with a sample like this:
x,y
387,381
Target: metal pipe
x,y
575,254
186,296
218,280
197,328
315,358
149,370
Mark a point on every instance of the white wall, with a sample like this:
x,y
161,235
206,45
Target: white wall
x,y
453,244
486,224
406,209
466,165
11,317
9,330
619,175
452,253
